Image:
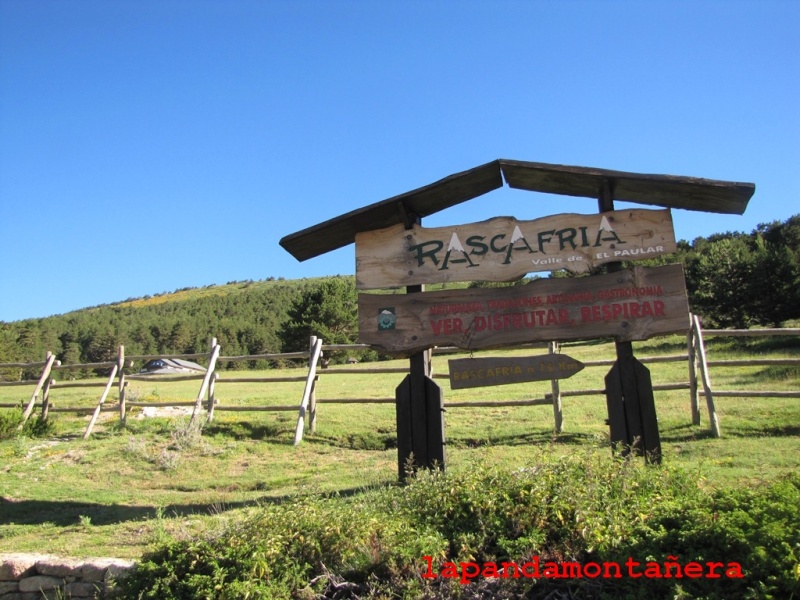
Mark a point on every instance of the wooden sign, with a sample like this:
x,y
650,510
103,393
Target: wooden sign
x,y
484,372
504,249
634,304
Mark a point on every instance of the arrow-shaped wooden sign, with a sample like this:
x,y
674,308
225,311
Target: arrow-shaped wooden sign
x,y
484,372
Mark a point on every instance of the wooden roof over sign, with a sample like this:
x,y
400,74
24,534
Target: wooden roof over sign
x,y
669,191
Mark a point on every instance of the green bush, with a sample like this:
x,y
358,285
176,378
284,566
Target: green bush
x,y
581,509
10,421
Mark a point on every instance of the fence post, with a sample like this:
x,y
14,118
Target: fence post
x,y
701,351
316,350
122,383
48,365
103,397
694,400
211,389
212,363
558,415
46,398
312,398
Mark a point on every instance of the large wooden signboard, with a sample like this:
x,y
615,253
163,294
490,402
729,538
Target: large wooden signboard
x,y
495,370
504,249
634,304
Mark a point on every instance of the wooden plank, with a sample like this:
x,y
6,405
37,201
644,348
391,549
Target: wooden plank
x,y
617,422
165,378
691,193
18,383
555,388
630,402
434,406
341,231
89,366
356,401
51,360
212,364
100,403
651,439
362,371
491,371
784,331
292,408
261,379
406,460
756,362
713,420
316,351
499,403
634,304
249,357
504,249
753,394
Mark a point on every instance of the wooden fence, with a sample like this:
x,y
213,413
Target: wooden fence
x,y
698,377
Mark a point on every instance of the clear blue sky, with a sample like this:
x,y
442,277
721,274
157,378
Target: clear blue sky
x,y
151,145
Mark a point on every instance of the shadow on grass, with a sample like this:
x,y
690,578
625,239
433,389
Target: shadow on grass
x,y
688,432
533,438
70,513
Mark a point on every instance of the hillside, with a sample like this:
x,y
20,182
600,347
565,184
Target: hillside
x,y
246,317
733,279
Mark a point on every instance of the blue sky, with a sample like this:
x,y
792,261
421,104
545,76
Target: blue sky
x,y
153,145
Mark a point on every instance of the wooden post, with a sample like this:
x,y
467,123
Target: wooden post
x,y
316,350
419,404
212,363
46,398
312,398
552,348
99,406
694,400
706,378
48,365
123,414
629,389
211,390
121,388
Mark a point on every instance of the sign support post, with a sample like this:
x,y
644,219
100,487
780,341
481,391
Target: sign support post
x,y
419,406
629,389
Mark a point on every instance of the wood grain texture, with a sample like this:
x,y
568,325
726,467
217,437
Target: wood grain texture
x,y
504,249
633,304
669,191
491,371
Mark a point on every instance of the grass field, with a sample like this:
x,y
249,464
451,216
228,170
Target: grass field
x,y
127,487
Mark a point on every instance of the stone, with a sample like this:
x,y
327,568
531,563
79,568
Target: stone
x,y
39,583
6,587
59,567
95,570
15,566
81,590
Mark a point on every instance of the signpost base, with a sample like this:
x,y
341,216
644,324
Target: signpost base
x,y
632,409
420,425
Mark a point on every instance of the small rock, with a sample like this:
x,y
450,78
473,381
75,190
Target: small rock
x,y
59,567
6,587
39,583
81,590
14,567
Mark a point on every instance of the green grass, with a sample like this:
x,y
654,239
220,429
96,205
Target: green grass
x,y
128,487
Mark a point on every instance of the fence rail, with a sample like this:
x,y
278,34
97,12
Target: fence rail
x,y
698,384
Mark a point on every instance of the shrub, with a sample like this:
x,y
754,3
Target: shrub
x,y
10,421
572,509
